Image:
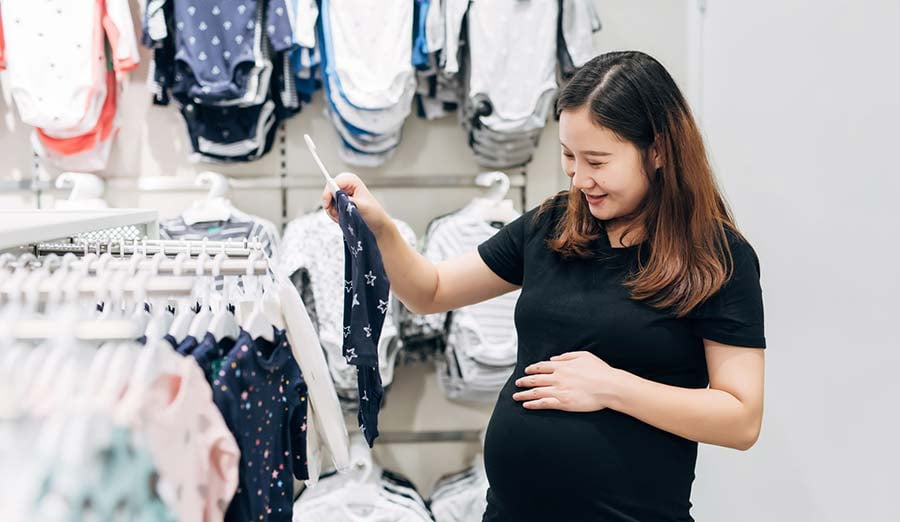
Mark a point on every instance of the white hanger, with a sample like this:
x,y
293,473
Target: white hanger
x,y
201,321
163,318
257,324
156,358
364,488
329,181
87,191
87,260
223,323
43,365
160,318
244,292
215,207
498,182
5,260
27,361
140,316
24,291
124,354
271,304
184,315
493,206
97,374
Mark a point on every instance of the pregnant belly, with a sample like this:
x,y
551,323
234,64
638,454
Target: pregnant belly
x,y
602,465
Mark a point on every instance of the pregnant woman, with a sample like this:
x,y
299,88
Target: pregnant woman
x,y
640,321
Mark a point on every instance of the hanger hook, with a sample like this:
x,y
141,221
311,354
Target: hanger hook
x,y
498,182
179,263
218,184
201,263
157,260
217,264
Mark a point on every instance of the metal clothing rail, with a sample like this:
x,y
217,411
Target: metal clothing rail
x,y
23,185
193,248
228,267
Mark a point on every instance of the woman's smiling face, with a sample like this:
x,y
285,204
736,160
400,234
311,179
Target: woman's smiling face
x,y
609,171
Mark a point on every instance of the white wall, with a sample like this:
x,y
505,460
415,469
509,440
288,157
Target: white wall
x,y
800,110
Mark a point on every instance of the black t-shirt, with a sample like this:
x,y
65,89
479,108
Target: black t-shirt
x,y
605,465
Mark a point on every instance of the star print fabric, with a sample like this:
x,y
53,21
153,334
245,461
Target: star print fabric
x,y
366,290
263,399
215,44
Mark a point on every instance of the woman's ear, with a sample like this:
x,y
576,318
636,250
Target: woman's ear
x,y
655,157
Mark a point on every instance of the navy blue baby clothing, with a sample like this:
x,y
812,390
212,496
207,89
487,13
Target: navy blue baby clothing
x,y
215,57
210,353
366,291
171,340
186,346
226,63
263,399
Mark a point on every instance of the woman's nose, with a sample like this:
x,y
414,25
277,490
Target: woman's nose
x,y
580,180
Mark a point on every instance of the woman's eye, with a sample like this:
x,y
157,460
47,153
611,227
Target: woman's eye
x,y
595,165
570,156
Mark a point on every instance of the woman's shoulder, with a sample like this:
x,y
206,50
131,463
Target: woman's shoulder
x,y
742,252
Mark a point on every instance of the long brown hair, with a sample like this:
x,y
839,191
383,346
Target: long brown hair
x,y
684,217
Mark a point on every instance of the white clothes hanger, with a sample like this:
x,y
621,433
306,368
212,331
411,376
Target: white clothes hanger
x,y
117,370
23,318
498,182
223,324
493,206
361,460
215,207
14,357
201,321
156,358
184,315
158,311
140,316
329,181
87,191
256,323
271,304
43,364
102,360
363,488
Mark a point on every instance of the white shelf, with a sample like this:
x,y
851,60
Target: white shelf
x,y
25,227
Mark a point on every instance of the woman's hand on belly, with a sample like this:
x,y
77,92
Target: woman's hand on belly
x,y
574,381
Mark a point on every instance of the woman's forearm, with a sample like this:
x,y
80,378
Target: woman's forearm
x,y
702,415
414,279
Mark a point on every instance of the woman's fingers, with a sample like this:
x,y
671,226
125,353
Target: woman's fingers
x,y
547,403
534,394
541,367
328,205
542,379
327,200
348,182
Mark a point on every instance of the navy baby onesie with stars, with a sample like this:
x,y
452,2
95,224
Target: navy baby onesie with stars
x,y
366,290
262,396
217,44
